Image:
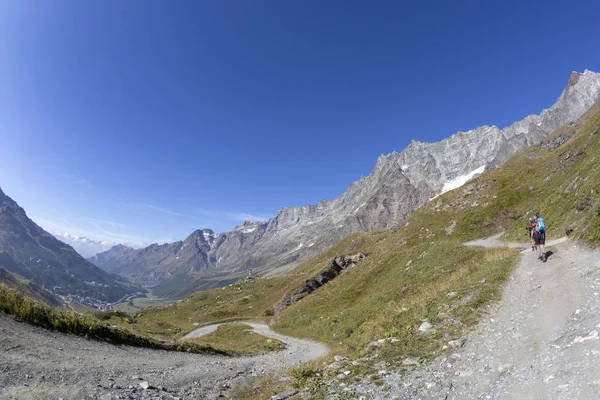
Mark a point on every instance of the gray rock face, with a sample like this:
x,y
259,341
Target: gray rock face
x,y
397,186
28,250
337,266
111,258
157,263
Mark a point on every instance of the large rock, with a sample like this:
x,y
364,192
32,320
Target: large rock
x,y
337,266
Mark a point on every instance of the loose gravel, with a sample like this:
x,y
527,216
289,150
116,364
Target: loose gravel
x,y
38,364
541,341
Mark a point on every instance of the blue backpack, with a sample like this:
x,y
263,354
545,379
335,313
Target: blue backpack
x,y
539,224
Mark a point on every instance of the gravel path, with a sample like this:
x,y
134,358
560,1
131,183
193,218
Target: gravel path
x,y
205,330
493,241
540,342
37,364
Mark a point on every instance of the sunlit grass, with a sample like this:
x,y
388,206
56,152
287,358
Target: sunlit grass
x,y
238,338
20,307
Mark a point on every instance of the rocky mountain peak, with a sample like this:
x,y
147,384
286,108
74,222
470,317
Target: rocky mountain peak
x,y
200,238
398,184
581,85
121,248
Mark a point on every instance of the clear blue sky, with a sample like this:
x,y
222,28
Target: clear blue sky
x,y
140,121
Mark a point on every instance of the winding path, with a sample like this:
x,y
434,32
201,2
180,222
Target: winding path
x,y
541,341
38,364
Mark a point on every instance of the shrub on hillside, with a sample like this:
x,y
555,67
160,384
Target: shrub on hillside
x,y
14,304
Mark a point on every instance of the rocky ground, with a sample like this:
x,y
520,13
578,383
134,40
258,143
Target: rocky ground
x,y
540,342
37,364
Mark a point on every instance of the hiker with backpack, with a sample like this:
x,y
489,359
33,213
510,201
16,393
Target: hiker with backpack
x,y
530,226
539,236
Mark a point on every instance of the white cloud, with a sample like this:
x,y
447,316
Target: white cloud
x,y
166,211
96,232
101,232
83,245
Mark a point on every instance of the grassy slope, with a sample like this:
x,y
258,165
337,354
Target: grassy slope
x,y
243,300
367,303
21,307
411,269
239,338
247,299
556,183
29,288
395,289
136,304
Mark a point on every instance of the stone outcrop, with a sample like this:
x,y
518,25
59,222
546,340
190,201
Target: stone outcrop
x,y
337,266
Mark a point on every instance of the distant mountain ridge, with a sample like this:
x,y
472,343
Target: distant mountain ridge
x,y
31,252
397,186
85,246
160,262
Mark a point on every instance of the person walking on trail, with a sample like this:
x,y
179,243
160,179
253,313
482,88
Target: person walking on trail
x,y
530,225
539,237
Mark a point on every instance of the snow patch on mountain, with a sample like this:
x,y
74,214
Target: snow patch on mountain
x,y
209,235
461,180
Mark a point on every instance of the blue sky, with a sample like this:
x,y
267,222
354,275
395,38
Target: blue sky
x,y
140,121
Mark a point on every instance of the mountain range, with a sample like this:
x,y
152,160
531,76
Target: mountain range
x,y
85,246
34,254
397,186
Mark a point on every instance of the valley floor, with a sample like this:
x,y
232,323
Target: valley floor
x,y
540,342
37,364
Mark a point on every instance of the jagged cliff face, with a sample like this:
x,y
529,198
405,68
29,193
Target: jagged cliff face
x,y
397,186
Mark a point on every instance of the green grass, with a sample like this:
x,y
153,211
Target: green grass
x,y
238,338
394,290
30,288
137,304
23,308
563,185
410,269
247,299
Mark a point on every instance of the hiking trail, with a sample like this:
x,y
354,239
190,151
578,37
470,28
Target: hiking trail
x,y
540,341
39,364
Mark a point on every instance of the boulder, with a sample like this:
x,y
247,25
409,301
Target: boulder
x,y
425,327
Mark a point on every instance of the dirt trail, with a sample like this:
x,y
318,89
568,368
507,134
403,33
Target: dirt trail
x,y
205,330
494,241
303,349
37,364
539,342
